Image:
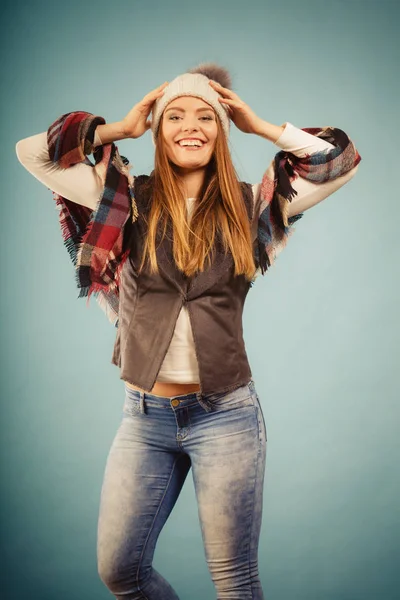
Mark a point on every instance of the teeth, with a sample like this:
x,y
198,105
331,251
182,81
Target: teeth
x,y
190,143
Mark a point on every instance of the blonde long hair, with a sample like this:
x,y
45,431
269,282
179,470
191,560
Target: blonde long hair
x,y
193,244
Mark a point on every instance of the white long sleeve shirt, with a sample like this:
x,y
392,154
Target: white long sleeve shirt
x,y
80,183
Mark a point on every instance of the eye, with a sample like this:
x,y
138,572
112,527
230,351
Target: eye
x,y
173,117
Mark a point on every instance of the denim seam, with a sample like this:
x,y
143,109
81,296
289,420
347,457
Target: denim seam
x,y
254,500
151,528
252,519
259,428
263,424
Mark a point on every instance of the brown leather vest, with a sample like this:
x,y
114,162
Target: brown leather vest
x,y
150,305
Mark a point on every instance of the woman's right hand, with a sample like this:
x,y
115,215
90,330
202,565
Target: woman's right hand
x,y
135,123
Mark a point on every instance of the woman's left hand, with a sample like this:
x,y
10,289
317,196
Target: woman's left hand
x,y
241,114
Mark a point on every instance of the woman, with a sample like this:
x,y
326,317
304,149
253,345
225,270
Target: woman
x,y
171,257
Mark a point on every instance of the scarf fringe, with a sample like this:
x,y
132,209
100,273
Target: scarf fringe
x,y
106,307
70,245
96,288
267,253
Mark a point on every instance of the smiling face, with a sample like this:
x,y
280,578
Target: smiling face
x,y
189,130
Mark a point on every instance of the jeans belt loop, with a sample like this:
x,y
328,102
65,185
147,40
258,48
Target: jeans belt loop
x,y
141,403
203,402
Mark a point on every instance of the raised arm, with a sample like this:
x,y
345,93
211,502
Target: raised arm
x,y
79,183
301,143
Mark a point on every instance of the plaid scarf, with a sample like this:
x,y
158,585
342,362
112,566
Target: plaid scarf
x,y
274,227
94,238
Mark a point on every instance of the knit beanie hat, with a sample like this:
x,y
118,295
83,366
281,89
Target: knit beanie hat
x,y
195,83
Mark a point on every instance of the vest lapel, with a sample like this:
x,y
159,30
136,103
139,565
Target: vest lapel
x,y
166,263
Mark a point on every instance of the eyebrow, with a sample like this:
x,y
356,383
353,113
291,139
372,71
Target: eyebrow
x,y
183,110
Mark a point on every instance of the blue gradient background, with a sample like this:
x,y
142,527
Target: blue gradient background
x,y
321,329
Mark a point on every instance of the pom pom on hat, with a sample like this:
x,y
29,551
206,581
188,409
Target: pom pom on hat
x,y
214,72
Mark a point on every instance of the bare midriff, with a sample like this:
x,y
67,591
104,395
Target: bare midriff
x,y
169,389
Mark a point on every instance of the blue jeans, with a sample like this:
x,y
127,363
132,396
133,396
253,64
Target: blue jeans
x,y
223,438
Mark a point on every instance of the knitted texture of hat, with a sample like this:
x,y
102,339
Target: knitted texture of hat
x,y
194,83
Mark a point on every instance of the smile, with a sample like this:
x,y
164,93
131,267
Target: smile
x,y
192,144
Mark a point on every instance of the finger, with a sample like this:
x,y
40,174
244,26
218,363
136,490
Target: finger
x,y
222,90
229,101
163,86
229,109
156,91
151,97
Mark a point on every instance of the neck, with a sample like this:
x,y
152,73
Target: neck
x,y
192,180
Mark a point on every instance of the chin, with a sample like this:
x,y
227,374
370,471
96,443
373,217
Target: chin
x,y
193,165
190,163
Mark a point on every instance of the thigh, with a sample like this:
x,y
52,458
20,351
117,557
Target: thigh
x,y
228,472
141,484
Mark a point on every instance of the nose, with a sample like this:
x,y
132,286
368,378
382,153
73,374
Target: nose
x,y
189,126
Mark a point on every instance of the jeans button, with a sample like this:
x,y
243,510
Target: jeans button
x,y
175,403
